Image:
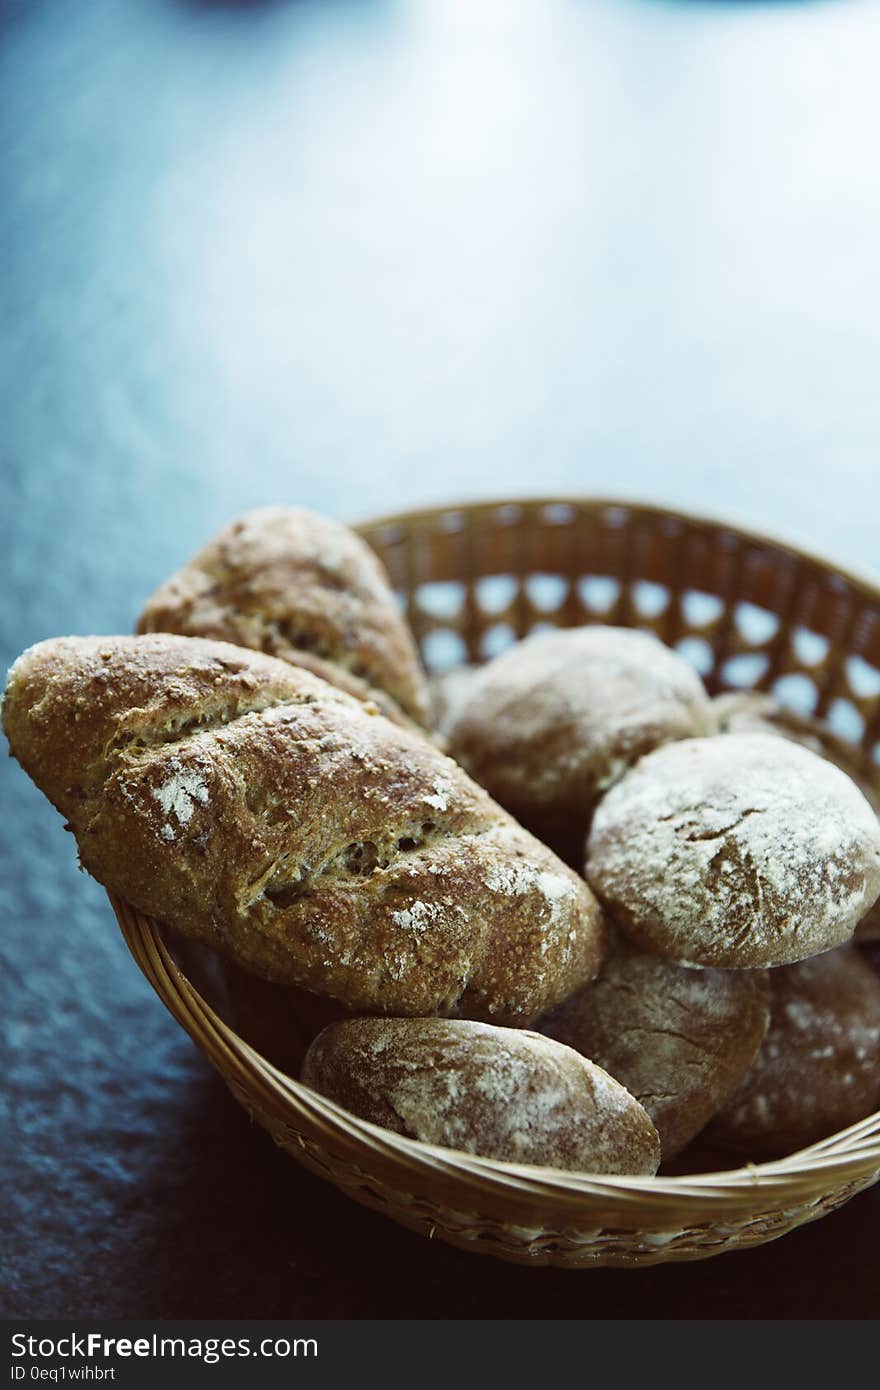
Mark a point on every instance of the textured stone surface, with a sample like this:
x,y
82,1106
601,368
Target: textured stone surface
x,y
257,252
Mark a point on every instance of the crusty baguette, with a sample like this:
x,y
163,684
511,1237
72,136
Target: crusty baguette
x,y
503,1093
253,806
303,588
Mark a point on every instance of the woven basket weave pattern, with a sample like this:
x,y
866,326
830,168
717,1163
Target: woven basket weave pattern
x,y
750,613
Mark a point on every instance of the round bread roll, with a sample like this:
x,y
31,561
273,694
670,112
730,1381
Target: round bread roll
x,y
818,1070
303,588
499,1092
552,723
740,850
249,804
679,1040
752,712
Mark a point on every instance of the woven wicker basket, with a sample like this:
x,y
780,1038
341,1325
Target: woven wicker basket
x,y
750,612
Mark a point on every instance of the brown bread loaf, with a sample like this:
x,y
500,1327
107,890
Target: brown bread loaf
x,y
499,1092
818,1070
303,588
679,1040
550,724
739,850
253,806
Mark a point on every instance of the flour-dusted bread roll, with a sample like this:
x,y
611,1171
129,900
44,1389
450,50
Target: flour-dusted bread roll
x,y
679,1040
818,1070
751,712
739,850
552,723
303,588
253,806
498,1092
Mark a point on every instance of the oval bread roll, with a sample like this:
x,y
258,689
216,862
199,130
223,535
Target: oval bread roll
x,y
679,1040
499,1092
251,805
550,724
818,1070
303,588
740,850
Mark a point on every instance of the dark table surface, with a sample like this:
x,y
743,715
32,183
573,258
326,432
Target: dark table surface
x,y
363,254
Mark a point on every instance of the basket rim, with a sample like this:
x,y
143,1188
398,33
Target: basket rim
x,y
867,582
844,1156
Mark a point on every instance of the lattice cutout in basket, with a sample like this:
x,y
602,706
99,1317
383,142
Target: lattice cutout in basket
x,y
748,612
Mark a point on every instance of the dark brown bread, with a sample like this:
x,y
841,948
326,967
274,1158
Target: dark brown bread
x,y
818,1070
253,806
303,588
550,724
740,850
499,1092
280,1021
679,1040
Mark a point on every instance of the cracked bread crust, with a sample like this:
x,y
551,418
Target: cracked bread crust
x,y
306,589
741,850
252,806
679,1040
506,1094
753,712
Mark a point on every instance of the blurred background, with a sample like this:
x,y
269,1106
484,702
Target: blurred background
x,y
364,255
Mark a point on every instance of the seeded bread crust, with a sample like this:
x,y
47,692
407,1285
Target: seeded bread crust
x,y
253,806
506,1094
306,589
